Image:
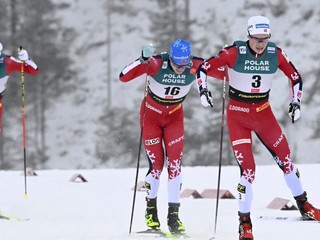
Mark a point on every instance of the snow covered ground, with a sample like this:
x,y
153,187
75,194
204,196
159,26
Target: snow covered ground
x,y
100,208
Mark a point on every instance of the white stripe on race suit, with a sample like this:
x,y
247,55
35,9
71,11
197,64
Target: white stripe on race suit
x,y
241,141
131,66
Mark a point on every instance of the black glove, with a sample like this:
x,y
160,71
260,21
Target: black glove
x,y
294,111
206,98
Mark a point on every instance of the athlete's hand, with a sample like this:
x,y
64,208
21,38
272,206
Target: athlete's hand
x,y
23,54
294,111
147,52
206,98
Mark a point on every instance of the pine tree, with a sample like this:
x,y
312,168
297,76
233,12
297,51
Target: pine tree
x,y
34,27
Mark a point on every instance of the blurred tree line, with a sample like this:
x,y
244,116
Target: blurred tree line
x,y
32,24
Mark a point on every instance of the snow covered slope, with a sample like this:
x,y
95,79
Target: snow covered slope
x,y
100,208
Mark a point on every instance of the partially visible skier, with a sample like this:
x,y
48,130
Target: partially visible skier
x,y
9,64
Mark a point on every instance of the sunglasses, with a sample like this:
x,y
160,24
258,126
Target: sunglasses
x,y
262,40
181,66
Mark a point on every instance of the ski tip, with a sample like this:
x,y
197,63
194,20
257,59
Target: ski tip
x,y
177,236
25,196
164,234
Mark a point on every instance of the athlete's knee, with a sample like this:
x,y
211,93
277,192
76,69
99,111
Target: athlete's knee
x,y
248,174
285,163
294,172
247,167
174,171
155,173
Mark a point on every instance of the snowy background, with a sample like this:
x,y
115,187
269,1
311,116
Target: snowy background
x,y
73,125
100,208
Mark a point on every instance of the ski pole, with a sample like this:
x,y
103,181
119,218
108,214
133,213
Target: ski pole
x,y
139,152
221,147
24,129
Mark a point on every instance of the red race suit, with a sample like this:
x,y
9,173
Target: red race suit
x,y
248,110
9,64
162,118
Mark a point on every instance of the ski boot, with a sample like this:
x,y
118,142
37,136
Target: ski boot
x,y
245,227
151,215
308,212
174,224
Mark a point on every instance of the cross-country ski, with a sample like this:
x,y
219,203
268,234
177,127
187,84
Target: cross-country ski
x,y
12,217
158,233
286,219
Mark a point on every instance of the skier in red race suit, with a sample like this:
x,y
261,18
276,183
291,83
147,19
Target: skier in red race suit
x,y
9,64
250,66
169,79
